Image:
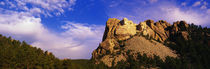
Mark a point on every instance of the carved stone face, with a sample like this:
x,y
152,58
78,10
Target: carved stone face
x,y
125,29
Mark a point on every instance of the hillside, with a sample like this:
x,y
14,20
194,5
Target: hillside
x,y
125,45
16,54
176,44
20,55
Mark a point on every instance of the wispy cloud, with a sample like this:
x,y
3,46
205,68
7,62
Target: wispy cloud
x,y
208,11
196,3
172,14
168,10
183,3
22,22
204,6
153,1
47,7
76,42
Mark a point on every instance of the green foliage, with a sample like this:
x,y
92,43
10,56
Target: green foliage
x,y
19,55
195,52
16,54
144,62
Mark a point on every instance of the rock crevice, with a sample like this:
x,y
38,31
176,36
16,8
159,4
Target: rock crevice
x,y
124,35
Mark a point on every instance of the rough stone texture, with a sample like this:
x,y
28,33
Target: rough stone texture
x,y
150,23
109,44
119,58
124,35
145,29
184,34
125,29
150,48
179,28
158,30
106,47
111,25
109,59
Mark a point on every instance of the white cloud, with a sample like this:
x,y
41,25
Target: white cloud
x,y
204,6
153,1
12,5
176,14
2,3
76,42
208,11
51,7
35,11
162,10
87,37
205,3
21,25
114,3
183,3
78,30
77,38
196,3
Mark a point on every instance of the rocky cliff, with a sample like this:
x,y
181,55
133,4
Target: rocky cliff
x,y
123,36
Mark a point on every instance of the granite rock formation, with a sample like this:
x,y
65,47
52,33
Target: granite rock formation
x,y
147,37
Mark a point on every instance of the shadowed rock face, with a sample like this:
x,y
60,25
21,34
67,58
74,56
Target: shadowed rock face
x,y
122,36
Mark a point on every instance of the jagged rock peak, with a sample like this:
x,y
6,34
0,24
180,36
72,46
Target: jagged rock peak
x,y
120,30
121,36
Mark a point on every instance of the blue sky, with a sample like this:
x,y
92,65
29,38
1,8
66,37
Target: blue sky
x,y
74,28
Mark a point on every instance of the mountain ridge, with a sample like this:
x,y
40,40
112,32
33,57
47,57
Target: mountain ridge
x,y
121,36
123,50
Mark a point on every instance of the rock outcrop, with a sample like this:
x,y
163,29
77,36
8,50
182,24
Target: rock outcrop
x,y
122,36
125,29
